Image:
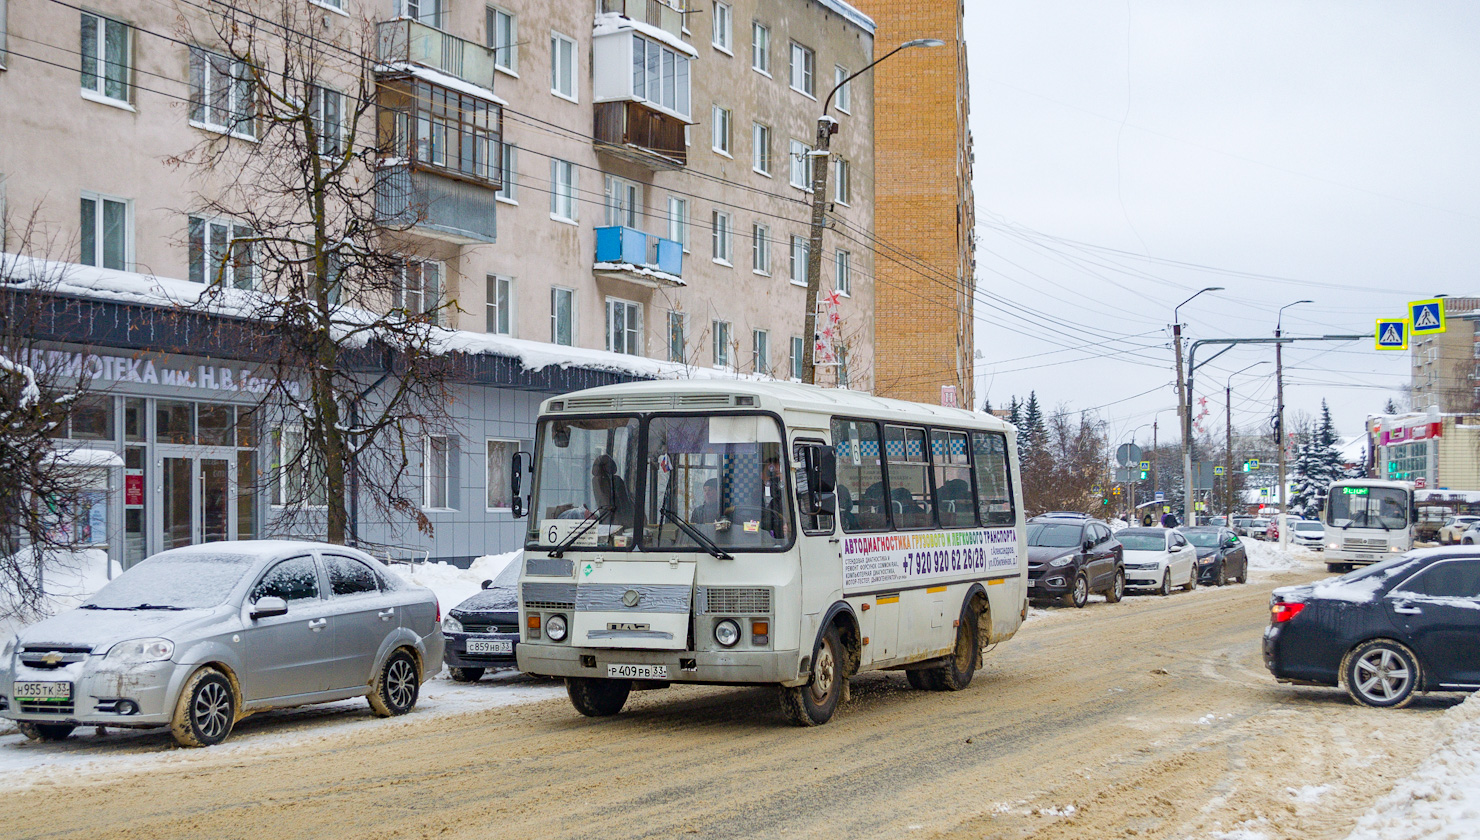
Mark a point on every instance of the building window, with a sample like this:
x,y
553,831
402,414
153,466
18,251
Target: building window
x,y
660,76
760,48
723,31
842,181
436,474
420,289
760,351
562,190
508,189
326,108
677,336
760,149
842,365
221,252
843,272
106,232
803,70
844,96
721,140
801,165
800,249
222,97
563,67
678,221
439,127
797,349
721,334
105,57
428,12
500,455
562,316
723,237
503,36
623,198
760,249
624,326
298,472
500,305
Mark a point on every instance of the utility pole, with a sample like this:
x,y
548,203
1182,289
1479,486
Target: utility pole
x,y
818,159
1154,485
1228,445
1279,413
1184,413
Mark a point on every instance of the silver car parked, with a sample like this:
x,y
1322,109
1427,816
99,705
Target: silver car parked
x,y
197,638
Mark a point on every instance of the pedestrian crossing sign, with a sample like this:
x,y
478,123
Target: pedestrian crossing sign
x,y
1392,334
1426,317
1217,470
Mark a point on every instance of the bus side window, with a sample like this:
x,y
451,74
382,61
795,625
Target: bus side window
x,y
821,523
952,479
863,504
993,484
909,477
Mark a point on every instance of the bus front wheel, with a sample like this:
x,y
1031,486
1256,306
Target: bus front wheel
x,y
596,697
813,704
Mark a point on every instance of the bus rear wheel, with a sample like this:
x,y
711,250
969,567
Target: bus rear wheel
x,y
956,671
813,704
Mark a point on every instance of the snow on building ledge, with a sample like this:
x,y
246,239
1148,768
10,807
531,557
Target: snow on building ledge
x,y
610,23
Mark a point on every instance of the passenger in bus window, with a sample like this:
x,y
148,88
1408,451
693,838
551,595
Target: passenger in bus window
x,y
708,510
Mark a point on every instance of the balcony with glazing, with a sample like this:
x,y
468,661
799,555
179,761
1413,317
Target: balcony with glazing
x,y
640,79
403,44
624,253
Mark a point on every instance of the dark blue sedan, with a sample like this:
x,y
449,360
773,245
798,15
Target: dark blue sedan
x,y
1385,631
483,631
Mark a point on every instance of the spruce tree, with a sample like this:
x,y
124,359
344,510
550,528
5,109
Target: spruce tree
x,y
1317,465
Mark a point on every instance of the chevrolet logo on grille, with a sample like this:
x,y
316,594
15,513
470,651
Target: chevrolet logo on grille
x,y
52,658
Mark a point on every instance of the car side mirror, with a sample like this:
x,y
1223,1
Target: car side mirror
x,y
487,584
522,461
1089,544
269,607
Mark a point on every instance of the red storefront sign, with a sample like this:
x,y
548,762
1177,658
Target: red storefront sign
x,y
133,489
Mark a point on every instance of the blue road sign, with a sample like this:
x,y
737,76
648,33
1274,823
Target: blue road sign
x,y
1426,317
1392,334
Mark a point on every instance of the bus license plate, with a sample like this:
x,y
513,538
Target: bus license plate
x,y
43,691
490,646
638,672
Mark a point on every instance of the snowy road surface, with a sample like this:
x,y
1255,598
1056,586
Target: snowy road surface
x,y
1150,718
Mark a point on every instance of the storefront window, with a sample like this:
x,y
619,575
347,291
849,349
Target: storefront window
x,y
216,424
174,422
134,418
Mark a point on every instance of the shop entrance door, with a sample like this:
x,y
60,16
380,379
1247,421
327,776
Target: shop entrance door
x,y
199,500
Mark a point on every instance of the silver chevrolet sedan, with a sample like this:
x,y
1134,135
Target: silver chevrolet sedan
x,y
197,638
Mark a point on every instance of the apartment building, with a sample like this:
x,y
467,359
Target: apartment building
x,y
926,270
1446,367
600,190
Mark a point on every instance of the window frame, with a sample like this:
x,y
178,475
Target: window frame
x,y
493,31
428,294
799,158
678,222
499,305
761,160
633,338
722,30
760,48
844,97
318,100
562,192
798,350
720,339
519,446
843,272
760,350
721,130
622,199
800,255
99,42
564,45
760,249
207,274
680,320
842,182
240,87
428,461
808,70
508,191
569,294
99,225
722,237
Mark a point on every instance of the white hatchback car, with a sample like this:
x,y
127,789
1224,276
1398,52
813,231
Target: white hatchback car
x,y
1308,533
1158,558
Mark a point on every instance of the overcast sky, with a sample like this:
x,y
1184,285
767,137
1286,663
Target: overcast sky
x,y
1131,153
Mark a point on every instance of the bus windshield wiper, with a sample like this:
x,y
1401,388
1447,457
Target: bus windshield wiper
x,y
696,535
587,524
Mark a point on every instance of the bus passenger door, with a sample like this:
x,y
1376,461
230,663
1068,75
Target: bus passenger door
x,y
819,546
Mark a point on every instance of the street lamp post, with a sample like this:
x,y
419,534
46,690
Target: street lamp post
x,y
1279,413
1184,408
1228,444
827,126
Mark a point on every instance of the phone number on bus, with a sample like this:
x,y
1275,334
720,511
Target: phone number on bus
x,y
888,559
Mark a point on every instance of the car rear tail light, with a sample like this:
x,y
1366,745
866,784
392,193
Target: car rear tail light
x,y
1282,612
438,602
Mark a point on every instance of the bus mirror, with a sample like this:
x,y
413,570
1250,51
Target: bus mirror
x,y
519,463
822,468
827,504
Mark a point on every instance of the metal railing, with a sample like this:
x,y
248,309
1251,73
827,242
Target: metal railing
x,y
665,16
406,40
618,244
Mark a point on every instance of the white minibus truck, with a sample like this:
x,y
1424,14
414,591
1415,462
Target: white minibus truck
x,y
739,533
1367,520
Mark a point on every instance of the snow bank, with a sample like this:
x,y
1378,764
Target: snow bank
x,y
454,585
1266,556
1441,799
69,579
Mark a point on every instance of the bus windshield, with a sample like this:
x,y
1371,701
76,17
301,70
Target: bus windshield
x,y
720,477
583,494
1368,507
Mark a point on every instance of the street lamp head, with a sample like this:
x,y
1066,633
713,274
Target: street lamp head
x,y
1177,321
923,42
1279,316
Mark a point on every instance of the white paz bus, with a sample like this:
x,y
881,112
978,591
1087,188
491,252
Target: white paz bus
x,y
743,533
1367,520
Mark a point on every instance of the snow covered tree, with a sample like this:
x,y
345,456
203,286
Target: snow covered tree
x,y
1317,465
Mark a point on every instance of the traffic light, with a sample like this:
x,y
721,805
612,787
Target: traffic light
x,y
1143,475
1104,501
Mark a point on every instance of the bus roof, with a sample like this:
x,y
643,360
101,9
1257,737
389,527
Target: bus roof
x,y
695,394
1373,482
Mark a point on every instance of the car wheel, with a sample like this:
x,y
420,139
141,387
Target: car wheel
x,y
1166,583
956,672
1381,673
1079,595
597,697
397,685
1191,578
1222,576
465,674
44,731
206,710
1117,589
813,704
921,679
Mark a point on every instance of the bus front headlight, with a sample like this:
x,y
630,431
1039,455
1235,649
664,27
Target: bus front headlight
x,y
727,632
555,628
1333,545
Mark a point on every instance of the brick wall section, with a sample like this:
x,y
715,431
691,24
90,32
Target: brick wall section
x,y
924,210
